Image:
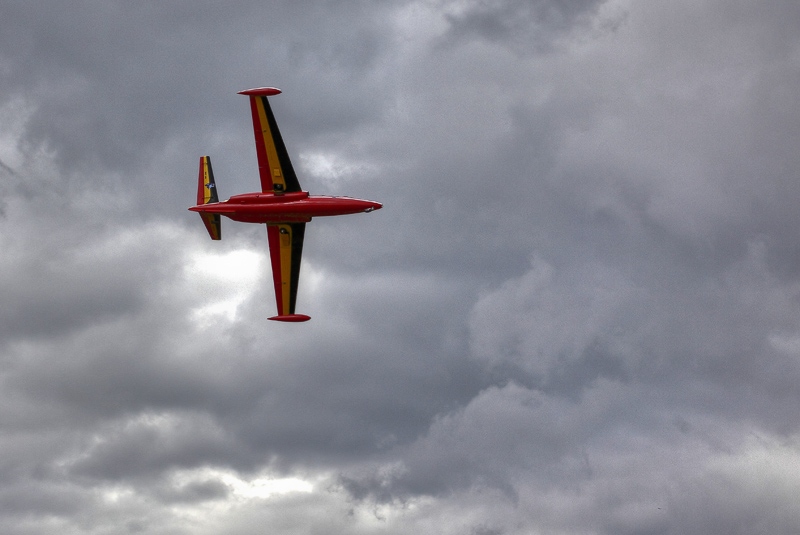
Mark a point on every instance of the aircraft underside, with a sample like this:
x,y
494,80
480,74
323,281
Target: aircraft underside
x,y
282,204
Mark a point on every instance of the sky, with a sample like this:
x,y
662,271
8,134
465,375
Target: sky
x,y
578,311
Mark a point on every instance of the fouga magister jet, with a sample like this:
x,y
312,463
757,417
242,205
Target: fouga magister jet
x,y
282,205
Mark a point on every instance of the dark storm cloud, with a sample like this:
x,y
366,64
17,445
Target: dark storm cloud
x,y
577,311
7,169
688,302
113,84
519,22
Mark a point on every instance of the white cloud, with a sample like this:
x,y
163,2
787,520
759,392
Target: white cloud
x,y
222,281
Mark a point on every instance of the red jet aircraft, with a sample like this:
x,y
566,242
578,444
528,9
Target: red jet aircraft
x,y
282,205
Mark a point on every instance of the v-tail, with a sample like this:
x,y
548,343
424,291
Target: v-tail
x,y
207,194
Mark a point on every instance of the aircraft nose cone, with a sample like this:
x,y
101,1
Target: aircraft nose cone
x,y
375,206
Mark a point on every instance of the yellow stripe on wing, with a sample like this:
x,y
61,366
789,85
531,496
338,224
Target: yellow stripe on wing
x,y
286,267
269,144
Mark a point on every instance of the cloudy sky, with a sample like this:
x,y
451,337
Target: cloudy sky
x,y
577,313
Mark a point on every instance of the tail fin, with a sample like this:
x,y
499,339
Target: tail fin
x,y
207,193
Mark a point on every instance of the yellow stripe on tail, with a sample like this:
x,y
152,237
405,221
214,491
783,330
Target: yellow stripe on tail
x,y
207,194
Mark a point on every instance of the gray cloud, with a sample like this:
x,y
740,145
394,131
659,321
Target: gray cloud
x,y
521,24
577,311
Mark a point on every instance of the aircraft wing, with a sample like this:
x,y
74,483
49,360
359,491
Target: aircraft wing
x,y
274,166
285,251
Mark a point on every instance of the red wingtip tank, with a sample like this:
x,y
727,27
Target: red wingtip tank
x,y
294,318
261,92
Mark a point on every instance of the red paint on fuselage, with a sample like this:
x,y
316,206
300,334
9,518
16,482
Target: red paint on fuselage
x,y
285,208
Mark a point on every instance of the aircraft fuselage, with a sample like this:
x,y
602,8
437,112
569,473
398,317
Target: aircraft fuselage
x,y
285,207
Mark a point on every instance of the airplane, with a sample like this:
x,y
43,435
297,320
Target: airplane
x,y
282,205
